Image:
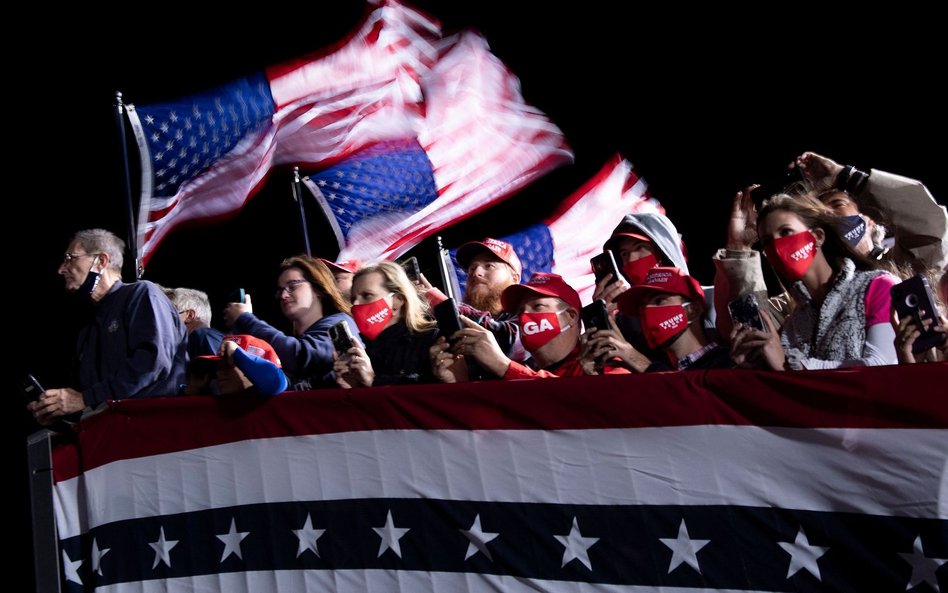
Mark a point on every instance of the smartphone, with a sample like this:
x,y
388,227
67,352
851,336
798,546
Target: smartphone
x,y
745,310
341,337
237,296
913,298
449,320
31,388
603,264
412,268
594,315
794,175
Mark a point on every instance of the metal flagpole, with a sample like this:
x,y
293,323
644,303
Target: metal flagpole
x,y
297,195
449,277
132,235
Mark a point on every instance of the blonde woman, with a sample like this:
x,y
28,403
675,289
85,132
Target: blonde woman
x,y
394,324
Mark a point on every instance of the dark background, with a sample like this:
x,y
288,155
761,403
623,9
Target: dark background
x,y
702,101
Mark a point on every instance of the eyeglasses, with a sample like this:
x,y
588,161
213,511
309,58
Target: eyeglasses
x,y
68,257
290,288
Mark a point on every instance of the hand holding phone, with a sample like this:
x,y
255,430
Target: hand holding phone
x,y
341,337
31,388
604,264
913,298
745,311
449,320
595,315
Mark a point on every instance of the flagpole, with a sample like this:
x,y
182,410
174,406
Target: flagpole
x,y
449,279
132,237
297,196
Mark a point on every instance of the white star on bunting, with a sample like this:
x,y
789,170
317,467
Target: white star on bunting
x,y
684,549
71,569
390,536
97,555
162,549
479,539
803,555
232,541
923,567
308,537
576,545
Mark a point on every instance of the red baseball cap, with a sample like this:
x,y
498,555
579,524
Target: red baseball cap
x,y
347,265
660,280
540,285
250,345
502,249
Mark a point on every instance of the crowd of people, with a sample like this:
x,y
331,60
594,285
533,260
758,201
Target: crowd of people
x,y
838,242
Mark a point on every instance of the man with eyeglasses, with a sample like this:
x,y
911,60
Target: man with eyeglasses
x,y
134,345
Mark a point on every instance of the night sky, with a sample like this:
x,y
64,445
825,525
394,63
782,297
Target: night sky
x,y
702,102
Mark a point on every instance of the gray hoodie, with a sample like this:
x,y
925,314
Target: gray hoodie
x,y
663,234
660,230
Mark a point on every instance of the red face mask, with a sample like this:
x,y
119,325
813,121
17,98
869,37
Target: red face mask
x,y
536,329
663,323
635,271
372,318
792,255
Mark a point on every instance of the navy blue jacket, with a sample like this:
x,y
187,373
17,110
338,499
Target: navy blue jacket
x,y
135,346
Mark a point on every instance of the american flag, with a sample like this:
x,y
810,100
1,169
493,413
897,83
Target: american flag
x,y
479,142
203,156
565,242
715,481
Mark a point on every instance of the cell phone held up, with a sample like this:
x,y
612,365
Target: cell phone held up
x,y
604,264
448,318
412,269
341,337
745,310
30,388
595,315
913,298
237,296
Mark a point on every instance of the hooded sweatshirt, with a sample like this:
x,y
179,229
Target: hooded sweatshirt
x,y
660,230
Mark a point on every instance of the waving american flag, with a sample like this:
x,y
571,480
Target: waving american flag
x,y
203,156
478,143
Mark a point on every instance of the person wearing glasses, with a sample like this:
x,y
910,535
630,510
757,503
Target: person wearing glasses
x,y
134,346
309,299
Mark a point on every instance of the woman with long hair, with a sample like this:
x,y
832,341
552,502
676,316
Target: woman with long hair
x,y
395,327
309,299
841,299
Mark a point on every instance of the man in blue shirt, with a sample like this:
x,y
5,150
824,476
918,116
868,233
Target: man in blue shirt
x,y
135,345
